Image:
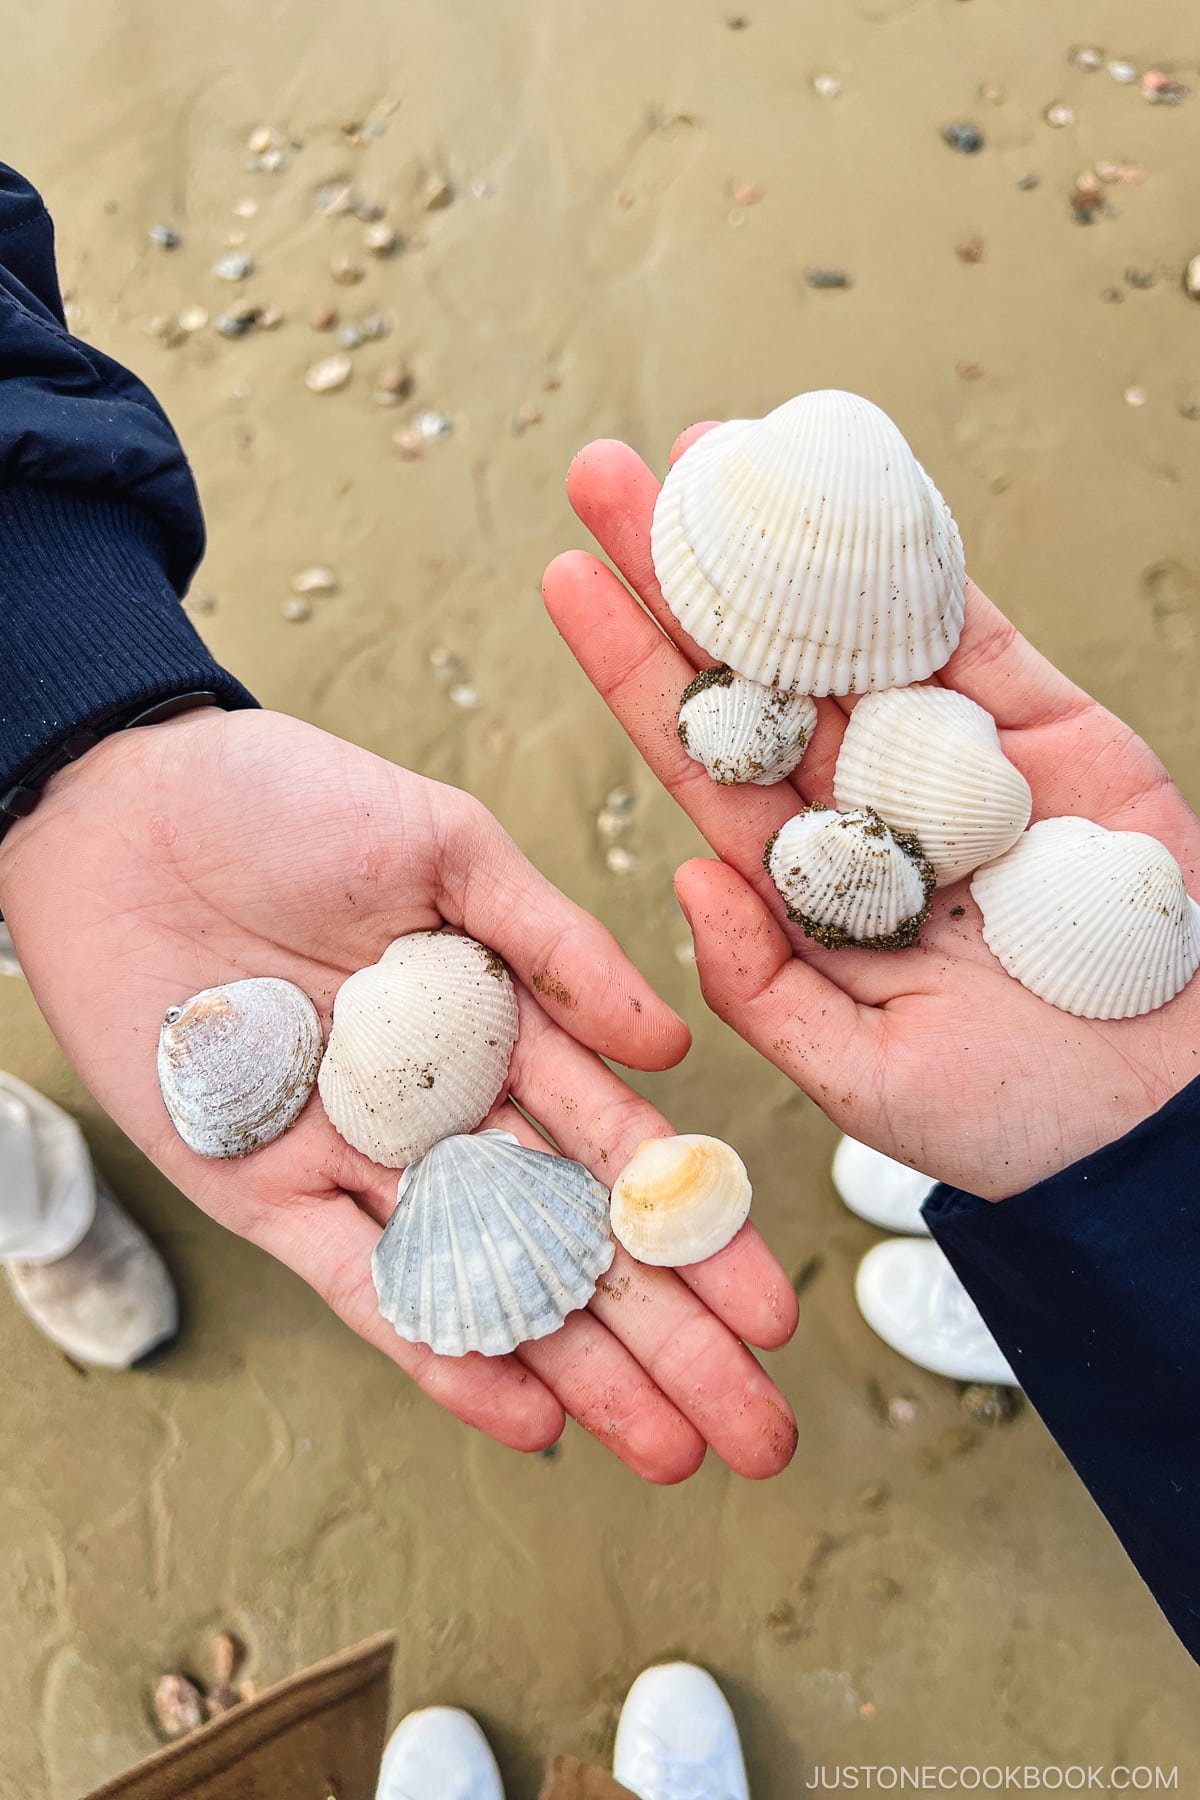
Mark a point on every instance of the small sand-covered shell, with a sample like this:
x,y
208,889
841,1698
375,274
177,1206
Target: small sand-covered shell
x,y
420,1046
809,550
236,1064
490,1245
679,1200
1096,922
741,731
929,761
847,878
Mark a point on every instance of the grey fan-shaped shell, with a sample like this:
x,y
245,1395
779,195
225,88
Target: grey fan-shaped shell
x,y
490,1245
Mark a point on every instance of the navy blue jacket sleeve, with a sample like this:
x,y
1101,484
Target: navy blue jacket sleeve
x,y
100,523
1090,1282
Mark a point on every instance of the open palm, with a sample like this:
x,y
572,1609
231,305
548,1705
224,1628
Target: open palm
x,y
228,845
933,1055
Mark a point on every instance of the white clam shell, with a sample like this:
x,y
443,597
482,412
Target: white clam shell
x,y
1096,922
679,1200
420,1046
848,878
490,1245
742,731
236,1064
810,551
929,761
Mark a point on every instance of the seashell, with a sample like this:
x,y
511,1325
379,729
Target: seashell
x,y
810,551
420,1046
929,761
236,1064
847,878
490,1245
742,731
1096,922
680,1199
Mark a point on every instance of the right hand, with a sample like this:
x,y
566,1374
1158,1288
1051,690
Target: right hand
x,y
933,1055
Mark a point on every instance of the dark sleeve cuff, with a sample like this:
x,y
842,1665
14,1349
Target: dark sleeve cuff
x,y
90,626
1090,1283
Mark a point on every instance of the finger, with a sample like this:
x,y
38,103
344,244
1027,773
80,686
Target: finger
x,y
600,1122
613,494
691,435
578,971
796,1017
1000,670
329,1244
684,1369
711,1377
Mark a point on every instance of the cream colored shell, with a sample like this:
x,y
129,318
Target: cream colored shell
x,y
420,1046
741,731
679,1200
236,1064
1096,922
847,878
810,551
490,1245
929,761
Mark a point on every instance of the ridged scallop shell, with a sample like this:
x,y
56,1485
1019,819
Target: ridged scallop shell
x,y
742,731
420,1046
490,1245
929,761
847,878
1096,922
679,1200
810,551
236,1064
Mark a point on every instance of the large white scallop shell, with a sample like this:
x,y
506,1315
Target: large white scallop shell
x,y
490,1245
742,731
236,1064
847,878
420,1046
809,550
679,1200
929,761
1096,922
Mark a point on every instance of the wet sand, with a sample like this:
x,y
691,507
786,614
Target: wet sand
x,y
938,1592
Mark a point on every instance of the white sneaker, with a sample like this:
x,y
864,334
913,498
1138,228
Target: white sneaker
x,y
109,1302
909,1294
677,1739
438,1753
882,1191
47,1184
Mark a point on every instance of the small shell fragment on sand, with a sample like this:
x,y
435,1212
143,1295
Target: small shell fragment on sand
x,y
326,376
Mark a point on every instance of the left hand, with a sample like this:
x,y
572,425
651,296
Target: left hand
x,y
221,845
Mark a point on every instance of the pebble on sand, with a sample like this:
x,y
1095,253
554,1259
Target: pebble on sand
x,y
1086,57
1122,71
436,193
380,238
1135,396
316,579
296,609
970,250
193,318
346,271
827,278
326,376
963,136
235,267
324,319
1058,115
178,1705
393,384
826,85
165,236
432,425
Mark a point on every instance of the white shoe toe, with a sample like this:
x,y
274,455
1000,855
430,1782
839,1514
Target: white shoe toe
x,y
677,1739
438,1753
909,1294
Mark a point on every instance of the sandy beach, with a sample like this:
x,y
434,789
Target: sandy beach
x,y
609,218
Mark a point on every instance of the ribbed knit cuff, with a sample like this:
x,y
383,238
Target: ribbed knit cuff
x,y
89,624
